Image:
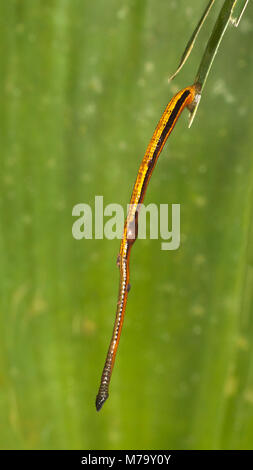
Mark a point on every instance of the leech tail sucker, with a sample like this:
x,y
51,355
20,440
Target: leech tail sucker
x,y
182,99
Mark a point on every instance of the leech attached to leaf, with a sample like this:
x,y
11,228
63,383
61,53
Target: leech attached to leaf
x,y
184,98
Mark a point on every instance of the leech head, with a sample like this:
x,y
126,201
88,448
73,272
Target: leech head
x,y
100,399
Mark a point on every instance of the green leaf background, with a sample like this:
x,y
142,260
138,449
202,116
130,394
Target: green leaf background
x,y
82,86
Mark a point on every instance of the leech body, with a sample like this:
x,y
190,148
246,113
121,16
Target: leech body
x,y
168,120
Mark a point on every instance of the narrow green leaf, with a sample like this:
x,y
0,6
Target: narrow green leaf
x,y
192,40
212,47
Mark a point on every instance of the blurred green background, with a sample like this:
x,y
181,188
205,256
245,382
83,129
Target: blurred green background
x,y
82,86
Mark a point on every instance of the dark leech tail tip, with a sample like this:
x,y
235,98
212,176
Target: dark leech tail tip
x,y
100,401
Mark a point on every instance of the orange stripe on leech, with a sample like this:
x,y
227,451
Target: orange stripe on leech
x,y
149,154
